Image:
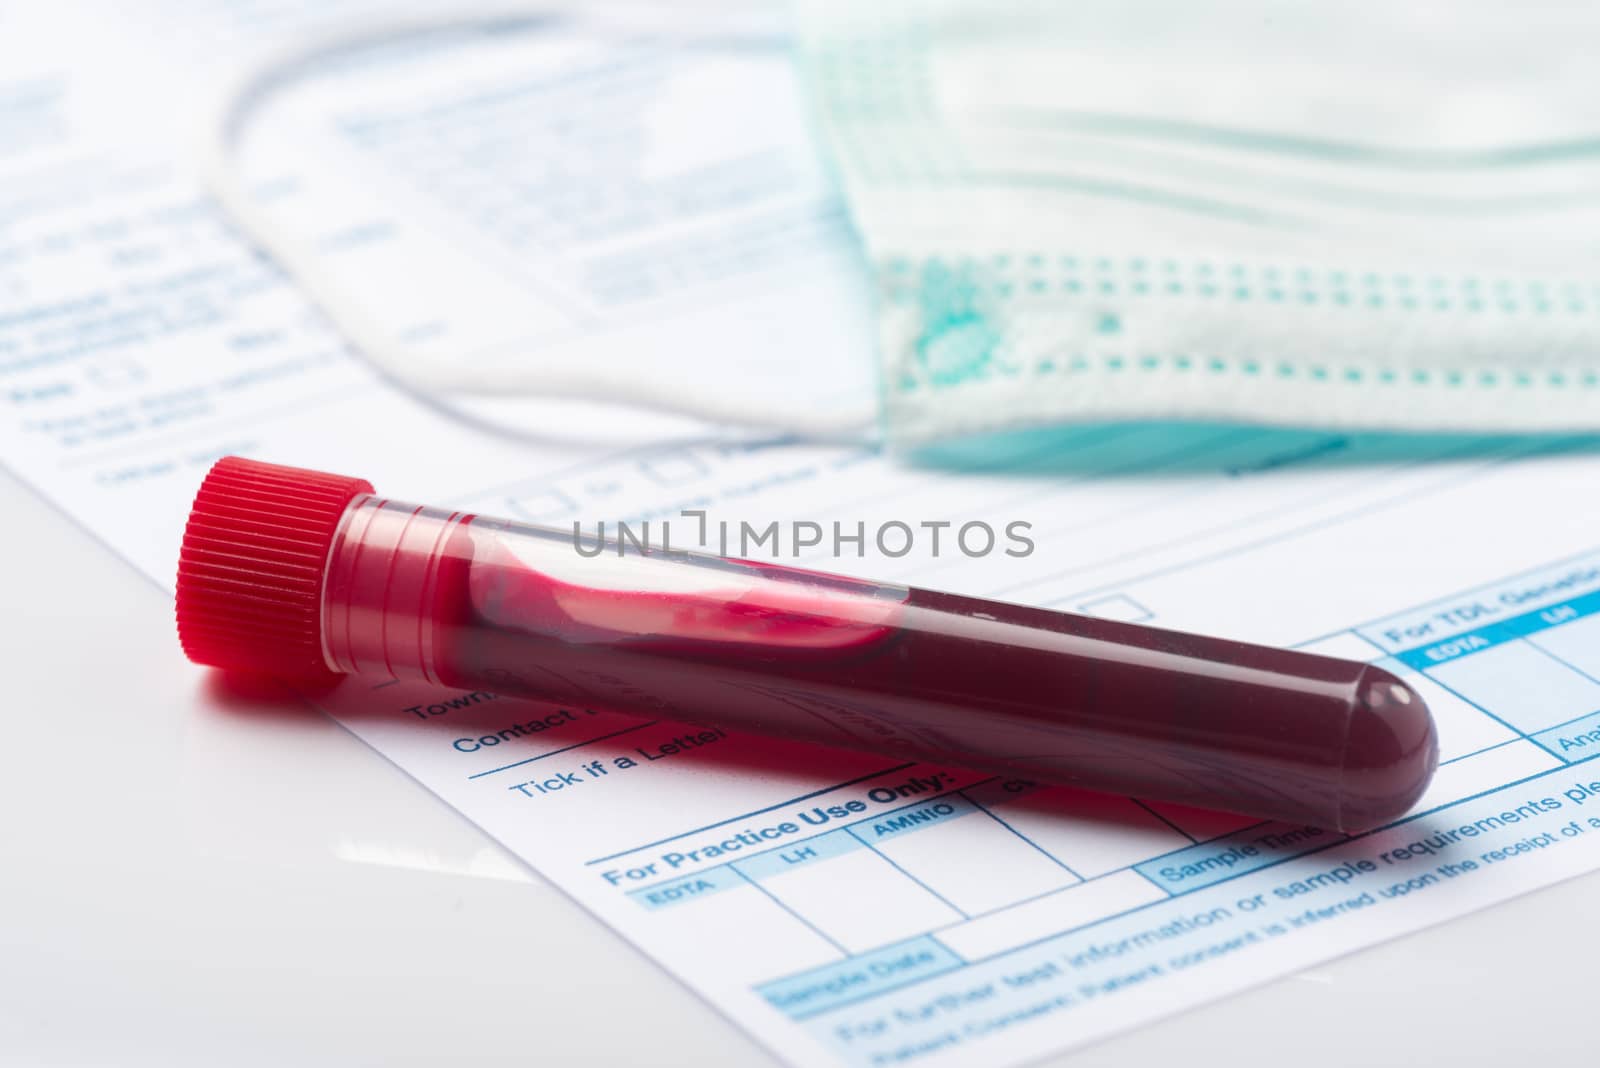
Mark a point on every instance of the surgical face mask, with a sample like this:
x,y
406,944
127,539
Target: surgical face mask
x,y
1373,215
1359,215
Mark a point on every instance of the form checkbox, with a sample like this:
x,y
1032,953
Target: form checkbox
x,y
542,505
674,470
1119,606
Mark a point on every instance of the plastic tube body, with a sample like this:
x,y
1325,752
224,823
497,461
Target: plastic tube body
x,y
463,601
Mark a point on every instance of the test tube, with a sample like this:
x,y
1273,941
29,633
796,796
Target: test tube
x,y
311,576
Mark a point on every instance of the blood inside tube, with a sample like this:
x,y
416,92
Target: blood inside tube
x,y
681,604
933,676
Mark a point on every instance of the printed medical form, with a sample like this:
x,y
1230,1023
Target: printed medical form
x,y
842,908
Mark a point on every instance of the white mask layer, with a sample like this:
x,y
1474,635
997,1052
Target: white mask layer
x,y
1366,214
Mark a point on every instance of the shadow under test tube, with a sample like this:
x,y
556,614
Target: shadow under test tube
x,y
411,592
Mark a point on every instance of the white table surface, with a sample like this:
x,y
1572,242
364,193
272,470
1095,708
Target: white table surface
x,y
196,877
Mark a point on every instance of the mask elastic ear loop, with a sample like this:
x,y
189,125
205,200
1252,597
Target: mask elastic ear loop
x,y
302,265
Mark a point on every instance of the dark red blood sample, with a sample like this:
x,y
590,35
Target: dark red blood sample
x,y
956,680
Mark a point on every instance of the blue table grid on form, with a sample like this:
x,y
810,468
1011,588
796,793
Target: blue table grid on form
x,y
1512,672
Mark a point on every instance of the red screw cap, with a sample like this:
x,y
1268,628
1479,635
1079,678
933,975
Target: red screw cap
x,y
250,571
